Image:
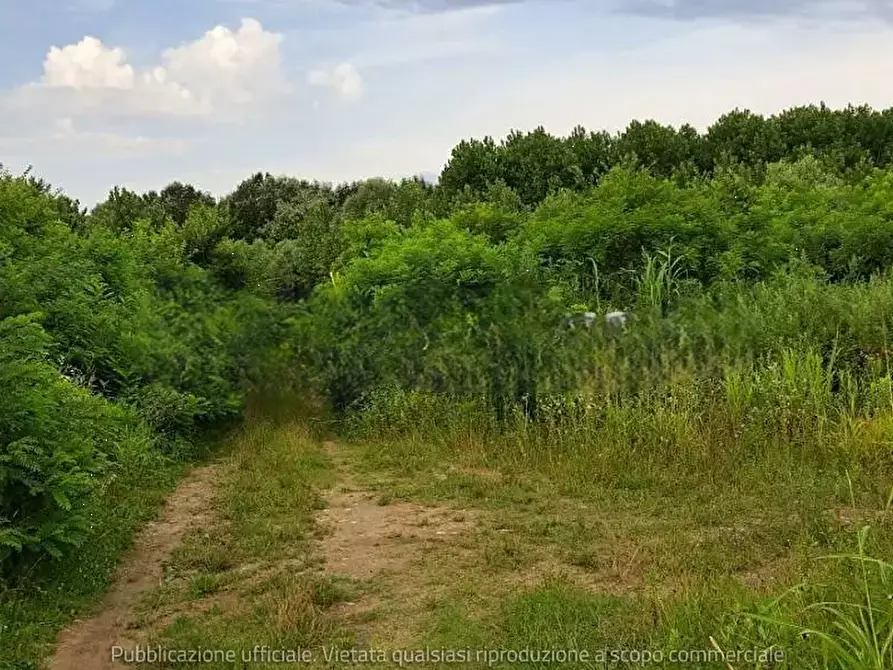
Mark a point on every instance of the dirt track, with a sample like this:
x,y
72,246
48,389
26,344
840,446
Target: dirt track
x,y
87,644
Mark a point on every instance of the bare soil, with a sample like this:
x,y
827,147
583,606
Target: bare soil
x,y
365,538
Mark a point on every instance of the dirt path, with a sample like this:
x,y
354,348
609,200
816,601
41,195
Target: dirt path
x,y
378,541
86,644
367,536
367,539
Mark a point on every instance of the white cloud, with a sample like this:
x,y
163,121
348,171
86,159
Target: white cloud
x,y
344,80
242,66
223,73
87,64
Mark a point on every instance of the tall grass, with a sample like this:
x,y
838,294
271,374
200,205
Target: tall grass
x,y
854,626
770,392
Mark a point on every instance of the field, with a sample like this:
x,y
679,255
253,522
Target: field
x,y
389,424
441,540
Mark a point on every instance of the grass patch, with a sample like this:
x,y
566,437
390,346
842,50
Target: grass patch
x,y
287,611
547,559
568,555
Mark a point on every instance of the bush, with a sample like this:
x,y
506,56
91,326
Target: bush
x,y
112,341
56,441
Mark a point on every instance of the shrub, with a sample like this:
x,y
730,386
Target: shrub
x,y
56,441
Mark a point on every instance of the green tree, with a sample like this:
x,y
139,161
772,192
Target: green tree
x,y
124,207
742,136
252,206
177,199
594,152
658,148
473,164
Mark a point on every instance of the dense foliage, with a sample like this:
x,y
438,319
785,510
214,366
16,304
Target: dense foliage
x,y
127,329
449,305
114,347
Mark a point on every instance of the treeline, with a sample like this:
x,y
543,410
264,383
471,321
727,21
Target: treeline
x,y
126,330
537,164
284,232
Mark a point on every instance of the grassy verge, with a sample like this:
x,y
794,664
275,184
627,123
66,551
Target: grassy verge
x,y
575,549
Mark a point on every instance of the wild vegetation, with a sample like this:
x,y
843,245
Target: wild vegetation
x,y
682,476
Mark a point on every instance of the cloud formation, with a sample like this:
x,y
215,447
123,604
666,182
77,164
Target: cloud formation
x,y
64,136
242,66
221,73
87,64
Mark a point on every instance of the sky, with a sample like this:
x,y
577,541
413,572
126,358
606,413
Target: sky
x,y
138,93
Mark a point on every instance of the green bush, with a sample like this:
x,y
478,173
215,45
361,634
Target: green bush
x,y
56,441
106,333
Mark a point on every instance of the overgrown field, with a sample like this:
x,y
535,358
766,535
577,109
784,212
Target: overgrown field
x,y
679,481
437,538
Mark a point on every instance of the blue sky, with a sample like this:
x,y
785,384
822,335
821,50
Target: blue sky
x,y
95,93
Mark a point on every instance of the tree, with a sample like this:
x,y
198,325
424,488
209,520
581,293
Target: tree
x,y
473,164
658,148
594,152
177,198
398,202
536,164
124,207
304,257
252,206
742,136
